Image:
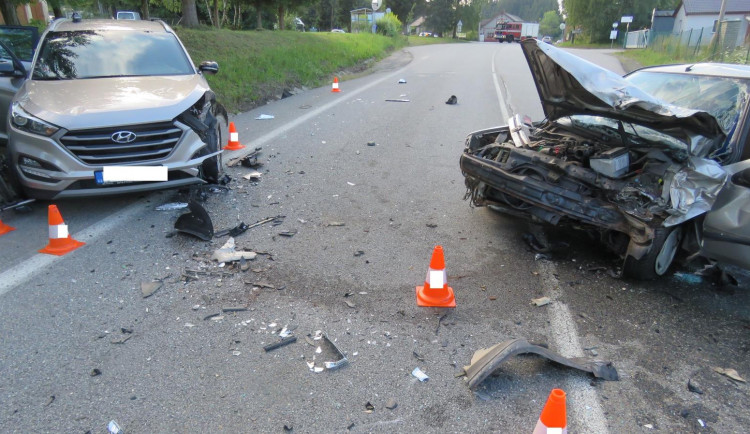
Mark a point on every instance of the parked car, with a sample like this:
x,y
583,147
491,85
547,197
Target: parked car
x,y
547,39
112,107
127,15
655,163
337,31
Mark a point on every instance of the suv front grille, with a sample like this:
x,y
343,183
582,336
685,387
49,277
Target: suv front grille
x,y
97,148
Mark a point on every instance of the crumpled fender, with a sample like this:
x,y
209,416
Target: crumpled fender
x,y
487,360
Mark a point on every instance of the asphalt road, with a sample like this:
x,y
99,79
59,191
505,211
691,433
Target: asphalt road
x,y
366,221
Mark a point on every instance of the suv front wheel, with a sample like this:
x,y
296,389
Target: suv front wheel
x,y
212,169
657,261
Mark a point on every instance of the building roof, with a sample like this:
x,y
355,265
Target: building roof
x,y
663,13
418,22
709,7
503,16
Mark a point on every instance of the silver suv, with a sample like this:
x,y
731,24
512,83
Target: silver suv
x,y
113,107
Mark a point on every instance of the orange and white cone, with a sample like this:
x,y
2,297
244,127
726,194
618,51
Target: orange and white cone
x,y
60,241
234,139
553,419
4,229
436,292
335,85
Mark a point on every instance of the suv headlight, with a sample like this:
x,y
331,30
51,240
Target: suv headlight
x,y
26,122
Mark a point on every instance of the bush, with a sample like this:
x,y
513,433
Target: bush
x,y
389,25
472,35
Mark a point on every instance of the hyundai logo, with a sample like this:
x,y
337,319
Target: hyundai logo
x,y
123,137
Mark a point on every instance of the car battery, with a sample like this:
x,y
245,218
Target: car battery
x,y
613,163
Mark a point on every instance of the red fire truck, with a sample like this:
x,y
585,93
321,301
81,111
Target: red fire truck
x,y
509,31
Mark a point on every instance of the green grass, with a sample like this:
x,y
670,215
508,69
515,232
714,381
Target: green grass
x,y
256,66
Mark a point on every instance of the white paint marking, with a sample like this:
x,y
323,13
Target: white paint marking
x,y
19,274
503,109
583,403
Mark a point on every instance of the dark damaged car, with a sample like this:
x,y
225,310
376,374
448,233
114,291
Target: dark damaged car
x,y
112,107
655,164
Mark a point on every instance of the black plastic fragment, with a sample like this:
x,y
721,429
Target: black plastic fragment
x,y
286,341
452,100
233,232
197,222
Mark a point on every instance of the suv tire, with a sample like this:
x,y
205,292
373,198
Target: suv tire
x,y
212,168
657,261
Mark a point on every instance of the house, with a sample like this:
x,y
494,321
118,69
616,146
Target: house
x,y
363,19
662,21
696,21
487,27
416,27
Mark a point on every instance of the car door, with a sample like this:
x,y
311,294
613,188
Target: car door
x,y
17,46
726,228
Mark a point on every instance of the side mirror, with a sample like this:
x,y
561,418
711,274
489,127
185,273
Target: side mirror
x,y
209,67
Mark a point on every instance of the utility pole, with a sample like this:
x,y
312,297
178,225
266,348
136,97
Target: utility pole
x,y
717,40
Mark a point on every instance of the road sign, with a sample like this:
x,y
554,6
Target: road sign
x,y
459,24
562,26
376,4
613,34
626,19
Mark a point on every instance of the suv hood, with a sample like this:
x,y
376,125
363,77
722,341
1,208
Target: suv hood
x,y
569,85
102,102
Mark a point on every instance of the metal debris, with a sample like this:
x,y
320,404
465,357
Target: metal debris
x,y
149,288
397,100
342,358
172,206
541,301
281,343
233,232
227,253
421,376
487,360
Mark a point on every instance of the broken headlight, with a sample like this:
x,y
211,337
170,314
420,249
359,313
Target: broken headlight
x,y
31,124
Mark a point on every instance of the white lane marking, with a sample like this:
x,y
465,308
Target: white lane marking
x,y
22,272
583,403
503,109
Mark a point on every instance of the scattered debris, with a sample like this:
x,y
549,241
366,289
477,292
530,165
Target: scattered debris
x,y
233,232
718,275
288,234
341,361
372,144
233,309
369,408
731,373
350,304
122,339
197,222
149,288
172,206
417,356
421,376
431,225
452,100
402,81
189,325
95,372
391,404
359,253
249,160
335,224
487,360
263,117
288,428
397,100
541,256
253,176
281,343
114,428
50,400
694,387
541,301
227,253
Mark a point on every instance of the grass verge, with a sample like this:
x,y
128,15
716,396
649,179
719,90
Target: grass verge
x,y
255,67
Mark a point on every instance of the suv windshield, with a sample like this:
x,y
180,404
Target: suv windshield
x,y
109,53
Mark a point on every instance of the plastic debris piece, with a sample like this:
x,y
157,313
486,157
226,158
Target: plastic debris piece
x,y
149,288
372,144
114,428
95,372
318,369
350,304
485,361
189,325
359,253
421,376
541,301
731,373
452,100
335,224
369,408
279,344
233,309
172,206
197,222
397,100
285,332
694,387
253,176
351,183
540,256
288,234
391,404
336,363
263,117
402,81
417,356
233,232
227,253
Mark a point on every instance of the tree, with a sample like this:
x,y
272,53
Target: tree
x,y
550,24
441,15
595,17
8,9
189,14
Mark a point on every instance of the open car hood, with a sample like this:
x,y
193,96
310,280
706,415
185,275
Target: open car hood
x,y
569,85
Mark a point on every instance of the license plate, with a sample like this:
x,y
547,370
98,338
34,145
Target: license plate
x,y
122,174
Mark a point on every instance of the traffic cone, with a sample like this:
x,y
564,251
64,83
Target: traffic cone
x,y
335,85
60,241
4,229
553,418
234,139
436,292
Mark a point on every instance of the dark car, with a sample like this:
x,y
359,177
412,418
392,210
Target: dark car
x,y
654,163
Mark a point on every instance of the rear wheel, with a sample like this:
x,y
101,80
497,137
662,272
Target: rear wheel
x,y
657,261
